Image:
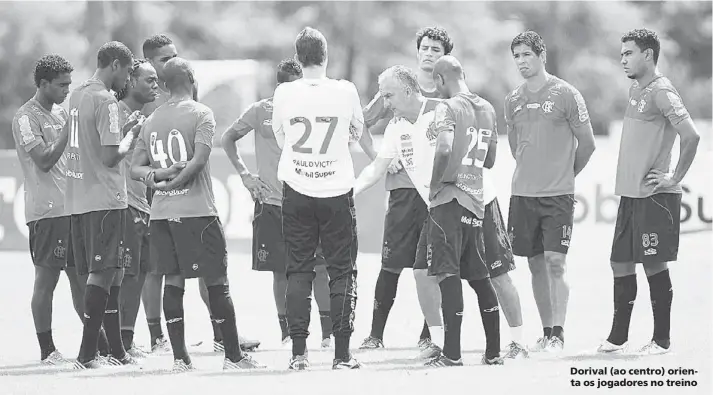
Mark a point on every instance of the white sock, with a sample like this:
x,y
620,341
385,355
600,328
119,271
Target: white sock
x,y
437,335
516,334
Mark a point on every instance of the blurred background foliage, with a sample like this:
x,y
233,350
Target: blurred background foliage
x,y
583,41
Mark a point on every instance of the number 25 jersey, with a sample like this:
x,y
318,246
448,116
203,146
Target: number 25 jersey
x,y
170,135
319,117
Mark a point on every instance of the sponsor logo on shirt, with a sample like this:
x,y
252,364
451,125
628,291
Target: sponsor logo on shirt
x,y
471,221
533,106
26,130
678,108
581,107
431,132
113,118
650,251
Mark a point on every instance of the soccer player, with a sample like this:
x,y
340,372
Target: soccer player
x,y
648,221
141,89
96,199
187,240
314,119
551,140
465,144
41,132
159,49
268,245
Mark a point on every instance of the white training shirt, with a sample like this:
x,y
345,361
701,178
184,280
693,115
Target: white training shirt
x,y
319,118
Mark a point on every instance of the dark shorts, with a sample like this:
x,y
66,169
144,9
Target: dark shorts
x,y
498,251
455,242
192,247
135,253
310,222
539,224
97,240
269,253
50,243
406,214
647,229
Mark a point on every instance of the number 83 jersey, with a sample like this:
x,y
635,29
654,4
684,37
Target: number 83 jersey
x,y
319,117
170,135
472,121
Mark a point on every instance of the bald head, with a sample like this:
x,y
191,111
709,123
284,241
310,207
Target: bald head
x,y
178,74
449,68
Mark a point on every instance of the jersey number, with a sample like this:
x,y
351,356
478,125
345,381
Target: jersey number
x,y
299,145
158,152
74,128
478,147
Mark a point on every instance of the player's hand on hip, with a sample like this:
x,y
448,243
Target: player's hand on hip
x,y
395,166
659,180
256,186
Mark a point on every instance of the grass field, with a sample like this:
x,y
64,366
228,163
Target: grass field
x,y
390,371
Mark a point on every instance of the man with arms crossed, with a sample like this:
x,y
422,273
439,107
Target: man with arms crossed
x,y
551,140
41,131
187,239
649,219
314,119
268,242
466,143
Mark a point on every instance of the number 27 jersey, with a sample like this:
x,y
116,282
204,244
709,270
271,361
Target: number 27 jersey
x,y
170,135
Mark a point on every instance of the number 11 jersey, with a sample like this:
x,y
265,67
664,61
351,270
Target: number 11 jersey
x,y
319,118
170,135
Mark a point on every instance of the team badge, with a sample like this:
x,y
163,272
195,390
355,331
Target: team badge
x,y
262,254
547,106
642,105
60,251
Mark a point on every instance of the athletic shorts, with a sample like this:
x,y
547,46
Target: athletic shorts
x,y
97,240
269,253
455,242
192,247
539,224
406,214
647,229
50,243
498,251
135,253
310,222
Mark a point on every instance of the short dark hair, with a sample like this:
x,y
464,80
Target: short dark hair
x,y
288,68
644,39
155,42
531,39
50,67
133,73
438,34
311,47
111,51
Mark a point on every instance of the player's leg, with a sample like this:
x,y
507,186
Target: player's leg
x,y
500,261
624,273
320,286
151,299
217,334
445,241
557,218
526,239
301,232
136,228
279,290
429,297
657,234
338,234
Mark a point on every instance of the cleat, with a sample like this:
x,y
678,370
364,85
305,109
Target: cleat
x,y
160,346
127,360
55,358
299,362
442,361
352,363
218,346
180,366
492,361
248,345
371,343
429,350
555,345
653,349
137,353
540,344
247,362
608,347
96,363
326,342
516,350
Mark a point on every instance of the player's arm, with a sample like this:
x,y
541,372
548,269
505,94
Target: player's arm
x,y
277,127
239,129
672,107
578,118
372,173
512,135
141,169
115,140
357,128
45,155
445,128
203,146
490,157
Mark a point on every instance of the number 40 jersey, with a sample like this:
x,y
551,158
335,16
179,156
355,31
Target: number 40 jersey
x,y
170,135
319,117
